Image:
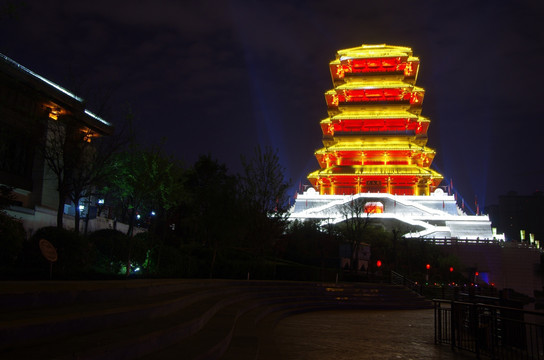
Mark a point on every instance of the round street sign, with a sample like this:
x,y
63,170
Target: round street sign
x,y
48,250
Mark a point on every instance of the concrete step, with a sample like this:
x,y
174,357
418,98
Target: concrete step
x,y
19,327
198,319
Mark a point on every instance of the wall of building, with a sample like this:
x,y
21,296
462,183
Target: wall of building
x,y
519,212
507,265
43,217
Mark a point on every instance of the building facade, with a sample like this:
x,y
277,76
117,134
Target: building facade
x,y
519,217
32,110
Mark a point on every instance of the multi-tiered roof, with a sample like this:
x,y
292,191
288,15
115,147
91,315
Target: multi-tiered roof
x,y
374,138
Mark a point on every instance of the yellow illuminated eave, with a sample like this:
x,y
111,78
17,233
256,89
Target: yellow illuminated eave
x,y
370,51
378,147
375,85
384,114
374,170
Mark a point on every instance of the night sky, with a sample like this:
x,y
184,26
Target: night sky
x,y
220,77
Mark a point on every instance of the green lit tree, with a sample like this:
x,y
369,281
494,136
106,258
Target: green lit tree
x,y
142,180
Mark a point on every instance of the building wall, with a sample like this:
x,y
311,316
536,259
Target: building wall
x,y
29,104
519,212
509,266
20,132
42,217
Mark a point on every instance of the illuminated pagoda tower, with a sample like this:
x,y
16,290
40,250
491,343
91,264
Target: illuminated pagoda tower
x,y
375,151
374,138
375,163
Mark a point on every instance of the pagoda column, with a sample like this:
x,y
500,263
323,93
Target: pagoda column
x,y
428,187
358,184
320,186
389,184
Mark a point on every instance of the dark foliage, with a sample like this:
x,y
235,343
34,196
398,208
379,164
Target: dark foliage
x,y
12,236
75,254
111,247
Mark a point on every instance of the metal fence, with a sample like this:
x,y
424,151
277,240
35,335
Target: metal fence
x,y
489,331
446,291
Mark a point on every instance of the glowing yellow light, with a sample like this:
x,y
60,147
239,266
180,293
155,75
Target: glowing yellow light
x,y
88,135
54,113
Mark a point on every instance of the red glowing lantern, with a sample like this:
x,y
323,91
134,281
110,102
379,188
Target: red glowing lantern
x,y
451,268
476,273
428,266
378,263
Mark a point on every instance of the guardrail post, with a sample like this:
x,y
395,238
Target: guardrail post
x,y
438,323
474,325
453,316
494,333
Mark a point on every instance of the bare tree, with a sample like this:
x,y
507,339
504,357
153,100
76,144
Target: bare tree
x,y
264,189
64,150
355,225
92,170
77,160
263,182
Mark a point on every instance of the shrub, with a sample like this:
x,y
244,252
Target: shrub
x,y
139,249
112,250
12,237
169,261
75,255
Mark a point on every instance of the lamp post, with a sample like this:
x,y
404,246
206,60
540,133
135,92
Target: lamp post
x,y
428,267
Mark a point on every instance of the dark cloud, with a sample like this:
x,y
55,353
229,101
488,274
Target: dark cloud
x,y
220,77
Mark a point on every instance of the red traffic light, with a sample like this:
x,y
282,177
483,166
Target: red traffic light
x,y
378,263
451,268
428,266
476,273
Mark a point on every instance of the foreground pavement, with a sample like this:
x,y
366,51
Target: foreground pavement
x,y
361,334
212,319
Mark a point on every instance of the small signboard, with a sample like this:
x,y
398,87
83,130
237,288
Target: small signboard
x,y
48,250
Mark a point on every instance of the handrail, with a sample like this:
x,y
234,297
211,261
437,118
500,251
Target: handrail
x,y
493,331
399,279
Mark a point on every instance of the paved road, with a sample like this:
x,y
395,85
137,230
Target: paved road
x,y
363,334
